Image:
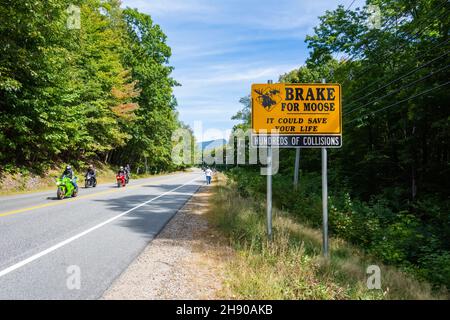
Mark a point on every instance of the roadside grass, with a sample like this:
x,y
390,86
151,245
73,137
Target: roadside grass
x,y
291,265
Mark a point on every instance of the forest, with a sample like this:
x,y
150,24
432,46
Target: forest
x,y
389,184
84,81
102,91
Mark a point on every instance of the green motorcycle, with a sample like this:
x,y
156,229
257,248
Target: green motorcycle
x,y
65,188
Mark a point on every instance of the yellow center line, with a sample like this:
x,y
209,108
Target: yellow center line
x,y
8,213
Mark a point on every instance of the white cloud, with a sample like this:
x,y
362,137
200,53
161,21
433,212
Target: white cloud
x,y
225,73
267,15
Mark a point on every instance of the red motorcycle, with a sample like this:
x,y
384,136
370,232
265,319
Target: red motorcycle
x,y
120,180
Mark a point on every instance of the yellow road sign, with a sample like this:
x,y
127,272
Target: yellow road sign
x,y
311,111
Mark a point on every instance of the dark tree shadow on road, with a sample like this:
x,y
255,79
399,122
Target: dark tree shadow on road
x,y
150,218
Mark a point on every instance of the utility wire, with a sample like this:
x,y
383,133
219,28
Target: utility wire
x,y
380,80
384,56
401,88
392,81
386,27
415,27
404,100
350,5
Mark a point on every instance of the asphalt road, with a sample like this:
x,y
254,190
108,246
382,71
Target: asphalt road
x,y
75,248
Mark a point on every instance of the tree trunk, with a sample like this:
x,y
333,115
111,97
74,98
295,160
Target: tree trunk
x,y
146,165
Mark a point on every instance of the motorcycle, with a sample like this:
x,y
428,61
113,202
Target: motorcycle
x,y
90,181
121,180
65,188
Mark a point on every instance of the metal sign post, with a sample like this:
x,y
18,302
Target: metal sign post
x,y
324,200
269,192
269,188
296,167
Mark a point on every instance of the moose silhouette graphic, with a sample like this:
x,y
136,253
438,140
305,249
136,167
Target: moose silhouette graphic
x,y
267,98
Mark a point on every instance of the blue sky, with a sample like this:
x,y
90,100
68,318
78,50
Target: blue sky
x,y
221,47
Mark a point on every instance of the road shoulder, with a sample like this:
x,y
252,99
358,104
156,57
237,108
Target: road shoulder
x,y
187,260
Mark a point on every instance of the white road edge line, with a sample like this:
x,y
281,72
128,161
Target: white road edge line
x,y
67,241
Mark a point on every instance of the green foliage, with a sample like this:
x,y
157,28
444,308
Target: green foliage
x,y
396,238
101,92
389,182
290,266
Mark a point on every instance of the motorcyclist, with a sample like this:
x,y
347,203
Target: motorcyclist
x,y
121,171
68,172
128,171
91,172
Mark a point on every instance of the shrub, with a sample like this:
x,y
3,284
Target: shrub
x,y
411,236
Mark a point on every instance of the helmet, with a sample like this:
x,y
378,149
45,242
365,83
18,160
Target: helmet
x,y
121,167
68,167
91,166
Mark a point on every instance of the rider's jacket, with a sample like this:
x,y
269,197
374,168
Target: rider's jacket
x,y
90,172
68,173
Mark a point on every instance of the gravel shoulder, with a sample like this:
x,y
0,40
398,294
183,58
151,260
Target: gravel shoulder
x,y
187,260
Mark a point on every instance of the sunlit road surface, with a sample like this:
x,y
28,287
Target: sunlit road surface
x,y
75,248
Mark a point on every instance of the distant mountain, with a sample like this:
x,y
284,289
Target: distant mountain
x,y
211,144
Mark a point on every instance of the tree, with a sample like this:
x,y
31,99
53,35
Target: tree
x,y
102,91
147,57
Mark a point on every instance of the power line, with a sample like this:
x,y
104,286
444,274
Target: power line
x,y
382,57
386,28
404,100
378,81
349,23
401,88
395,80
418,58
350,5
415,27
